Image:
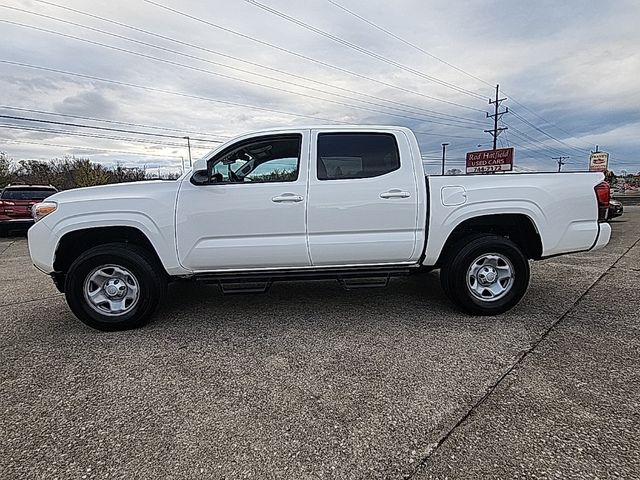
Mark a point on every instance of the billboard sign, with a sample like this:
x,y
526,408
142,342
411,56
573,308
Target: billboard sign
x,y
490,161
599,162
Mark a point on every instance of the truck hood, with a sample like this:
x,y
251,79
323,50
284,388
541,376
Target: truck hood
x,y
116,191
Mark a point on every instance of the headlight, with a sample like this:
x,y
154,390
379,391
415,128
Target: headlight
x,y
41,210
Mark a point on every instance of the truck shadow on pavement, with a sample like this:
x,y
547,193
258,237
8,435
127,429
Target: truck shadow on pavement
x,y
289,302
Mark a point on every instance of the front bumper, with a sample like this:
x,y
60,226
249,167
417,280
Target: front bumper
x,y
42,246
604,235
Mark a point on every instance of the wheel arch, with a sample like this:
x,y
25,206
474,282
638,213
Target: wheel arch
x,y
518,227
74,243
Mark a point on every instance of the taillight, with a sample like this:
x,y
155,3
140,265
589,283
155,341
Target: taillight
x,y
603,195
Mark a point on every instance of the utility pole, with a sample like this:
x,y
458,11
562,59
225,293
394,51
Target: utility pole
x,y
560,161
182,159
496,117
189,147
444,149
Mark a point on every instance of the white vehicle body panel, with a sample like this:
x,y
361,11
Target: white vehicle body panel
x,y
147,206
338,223
350,222
230,226
564,213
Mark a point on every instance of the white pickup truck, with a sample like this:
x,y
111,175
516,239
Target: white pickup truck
x,y
350,203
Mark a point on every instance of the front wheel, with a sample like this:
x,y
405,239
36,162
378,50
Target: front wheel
x,y
115,286
485,274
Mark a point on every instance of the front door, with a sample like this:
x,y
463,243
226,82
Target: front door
x,y
249,213
363,204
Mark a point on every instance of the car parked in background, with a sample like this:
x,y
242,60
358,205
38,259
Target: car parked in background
x,y
615,209
16,202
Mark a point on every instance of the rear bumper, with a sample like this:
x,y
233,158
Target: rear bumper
x,y
15,222
604,235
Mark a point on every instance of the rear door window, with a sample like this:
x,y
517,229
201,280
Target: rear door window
x,y
356,155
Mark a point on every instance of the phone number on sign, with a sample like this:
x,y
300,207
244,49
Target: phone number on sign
x,y
488,169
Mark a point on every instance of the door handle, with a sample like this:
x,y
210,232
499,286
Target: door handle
x,y
287,197
395,193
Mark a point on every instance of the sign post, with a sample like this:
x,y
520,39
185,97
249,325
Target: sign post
x,y
490,161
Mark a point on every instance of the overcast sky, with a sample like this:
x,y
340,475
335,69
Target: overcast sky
x,y
569,70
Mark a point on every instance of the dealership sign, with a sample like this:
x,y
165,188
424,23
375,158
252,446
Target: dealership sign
x,y
490,161
599,162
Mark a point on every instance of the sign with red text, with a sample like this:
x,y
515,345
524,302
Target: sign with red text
x,y
599,162
490,161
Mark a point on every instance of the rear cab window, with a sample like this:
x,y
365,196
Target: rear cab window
x,y
356,155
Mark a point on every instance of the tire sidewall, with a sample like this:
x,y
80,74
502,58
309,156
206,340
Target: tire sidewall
x,y
74,290
460,266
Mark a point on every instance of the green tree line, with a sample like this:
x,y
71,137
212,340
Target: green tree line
x,y
65,173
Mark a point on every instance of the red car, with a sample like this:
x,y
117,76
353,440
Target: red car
x,y
16,202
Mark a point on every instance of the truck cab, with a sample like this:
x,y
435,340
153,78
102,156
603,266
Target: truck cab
x,y
318,197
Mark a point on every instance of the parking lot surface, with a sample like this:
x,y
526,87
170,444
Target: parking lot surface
x,y
310,381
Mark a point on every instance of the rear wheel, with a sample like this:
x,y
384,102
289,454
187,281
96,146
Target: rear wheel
x,y
116,286
485,274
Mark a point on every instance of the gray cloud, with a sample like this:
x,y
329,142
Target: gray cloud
x,y
573,63
90,103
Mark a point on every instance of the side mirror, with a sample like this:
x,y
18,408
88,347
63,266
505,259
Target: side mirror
x,y
200,177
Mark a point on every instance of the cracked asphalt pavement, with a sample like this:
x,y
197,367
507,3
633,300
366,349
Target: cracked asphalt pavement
x,y
310,381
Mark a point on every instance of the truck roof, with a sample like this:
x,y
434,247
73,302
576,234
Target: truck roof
x,y
294,128
332,127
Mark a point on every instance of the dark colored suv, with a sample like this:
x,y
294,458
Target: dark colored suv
x,y
16,202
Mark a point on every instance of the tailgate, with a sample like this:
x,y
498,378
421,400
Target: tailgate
x,y
17,208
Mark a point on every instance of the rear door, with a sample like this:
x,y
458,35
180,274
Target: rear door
x,y
362,198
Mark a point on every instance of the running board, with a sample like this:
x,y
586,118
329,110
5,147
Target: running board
x,y
364,282
260,281
234,288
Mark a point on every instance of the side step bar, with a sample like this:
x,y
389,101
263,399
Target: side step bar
x,y
260,282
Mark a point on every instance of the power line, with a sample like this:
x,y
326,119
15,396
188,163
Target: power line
x,y
106,151
528,138
406,42
185,95
199,47
160,90
545,120
109,129
535,127
103,120
363,50
89,135
209,72
299,55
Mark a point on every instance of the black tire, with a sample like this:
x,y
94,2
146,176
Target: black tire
x,y
458,262
149,276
